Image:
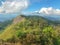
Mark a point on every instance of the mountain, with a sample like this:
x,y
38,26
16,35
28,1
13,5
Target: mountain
x,y
31,30
51,17
21,23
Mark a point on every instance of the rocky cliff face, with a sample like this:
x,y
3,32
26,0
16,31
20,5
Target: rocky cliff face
x,y
18,19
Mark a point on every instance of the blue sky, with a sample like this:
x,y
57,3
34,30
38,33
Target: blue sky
x,y
29,6
38,4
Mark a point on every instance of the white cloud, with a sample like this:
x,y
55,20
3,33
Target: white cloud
x,y
13,6
49,10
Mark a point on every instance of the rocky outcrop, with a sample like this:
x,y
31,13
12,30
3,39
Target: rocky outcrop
x,y
18,19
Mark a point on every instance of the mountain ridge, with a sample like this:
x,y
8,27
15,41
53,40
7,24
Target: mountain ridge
x,y
32,30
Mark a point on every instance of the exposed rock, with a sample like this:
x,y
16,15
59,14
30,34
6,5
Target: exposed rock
x,y
18,19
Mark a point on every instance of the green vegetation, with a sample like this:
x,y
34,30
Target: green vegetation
x,y
32,30
4,24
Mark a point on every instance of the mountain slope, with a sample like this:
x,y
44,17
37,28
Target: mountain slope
x,y
10,30
31,30
20,23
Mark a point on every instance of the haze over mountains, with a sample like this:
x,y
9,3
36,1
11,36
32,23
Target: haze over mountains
x,y
49,13
6,17
50,17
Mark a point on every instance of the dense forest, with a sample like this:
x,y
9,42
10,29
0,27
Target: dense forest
x,y
31,30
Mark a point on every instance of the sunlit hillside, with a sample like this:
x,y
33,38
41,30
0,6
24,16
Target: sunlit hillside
x,y
31,30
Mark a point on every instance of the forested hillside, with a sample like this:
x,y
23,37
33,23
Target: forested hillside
x,y
31,30
4,24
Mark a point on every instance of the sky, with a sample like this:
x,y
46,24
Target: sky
x,y
38,4
41,6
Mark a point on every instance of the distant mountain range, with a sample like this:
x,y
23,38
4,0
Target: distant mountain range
x,y
6,17
53,17
50,17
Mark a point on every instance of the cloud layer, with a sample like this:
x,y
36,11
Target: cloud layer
x,y
49,11
13,6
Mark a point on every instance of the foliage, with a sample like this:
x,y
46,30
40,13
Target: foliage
x,y
33,30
